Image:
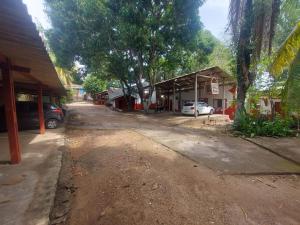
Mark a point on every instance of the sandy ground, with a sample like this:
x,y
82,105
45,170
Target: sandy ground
x,y
118,176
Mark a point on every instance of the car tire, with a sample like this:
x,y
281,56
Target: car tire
x,y
211,112
198,114
52,124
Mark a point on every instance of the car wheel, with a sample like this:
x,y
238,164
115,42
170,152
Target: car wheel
x,y
198,113
211,112
51,124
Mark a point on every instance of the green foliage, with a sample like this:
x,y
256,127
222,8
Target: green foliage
x,y
185,60
129,40
288,18
252,126
69,97
285,56
291,93
223,57
252,24
93,85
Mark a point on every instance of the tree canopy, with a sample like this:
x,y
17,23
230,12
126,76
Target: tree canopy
x,y
93,85
132,40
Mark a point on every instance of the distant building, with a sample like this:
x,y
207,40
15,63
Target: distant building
x,y
101,98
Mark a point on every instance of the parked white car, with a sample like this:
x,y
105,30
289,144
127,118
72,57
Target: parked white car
x,y
202,108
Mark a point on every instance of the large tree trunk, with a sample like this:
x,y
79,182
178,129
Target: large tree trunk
x,y
244,77
127,94
140,89
149,99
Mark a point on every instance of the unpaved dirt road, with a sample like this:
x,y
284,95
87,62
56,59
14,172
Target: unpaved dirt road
x,y
122,177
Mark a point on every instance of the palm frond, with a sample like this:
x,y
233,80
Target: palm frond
x,y
235,16
273,19
291,93
287,52
261,16
64,75
266,13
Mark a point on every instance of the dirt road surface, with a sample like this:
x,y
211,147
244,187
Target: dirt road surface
x,y
120,176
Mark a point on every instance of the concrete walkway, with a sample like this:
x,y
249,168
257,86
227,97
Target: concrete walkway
x,y
27,190
222,153
288,148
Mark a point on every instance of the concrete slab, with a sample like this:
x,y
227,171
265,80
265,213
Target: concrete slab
x,y
27,190
222,153
288,148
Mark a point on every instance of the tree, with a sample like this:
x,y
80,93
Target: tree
x,y
288,57
252,24
93,85
223,57
141,35
185,60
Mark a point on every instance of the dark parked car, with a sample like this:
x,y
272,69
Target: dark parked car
x,y
28,118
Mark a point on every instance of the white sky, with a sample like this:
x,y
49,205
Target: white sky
x,y
36,10
213,15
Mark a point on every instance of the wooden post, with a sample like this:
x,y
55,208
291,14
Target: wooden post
x,y
179,101
51,100
223,101
196,95
169,103
59,101
41,111
10,114
174,97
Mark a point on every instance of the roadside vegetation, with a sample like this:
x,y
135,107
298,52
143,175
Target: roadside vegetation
x,y
263,72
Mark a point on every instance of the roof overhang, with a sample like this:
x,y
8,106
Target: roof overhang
x,y
187,81
23,49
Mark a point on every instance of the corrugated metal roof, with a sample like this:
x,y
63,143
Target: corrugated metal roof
x,y
187,81
21,44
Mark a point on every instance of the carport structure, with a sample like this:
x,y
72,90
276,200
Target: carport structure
x,y
25,68
193,81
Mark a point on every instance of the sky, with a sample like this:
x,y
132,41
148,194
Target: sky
x,y
213,15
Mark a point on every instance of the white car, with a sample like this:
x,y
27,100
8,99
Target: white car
x,y
202,108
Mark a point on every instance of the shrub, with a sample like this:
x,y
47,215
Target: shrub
x,y
251,126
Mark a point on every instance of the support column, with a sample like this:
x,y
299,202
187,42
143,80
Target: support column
x,y
223,101
196,95
174,98
10,114
59,101
41,111
51,98
179,101
169,102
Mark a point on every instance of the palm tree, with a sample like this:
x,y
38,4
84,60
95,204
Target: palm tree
x,y
64,75
252,24
287,53
288,57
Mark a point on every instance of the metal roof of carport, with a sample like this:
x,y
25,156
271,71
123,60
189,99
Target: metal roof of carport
x,y
187,81
21,44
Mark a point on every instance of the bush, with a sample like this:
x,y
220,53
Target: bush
x,y
93,85
251,126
